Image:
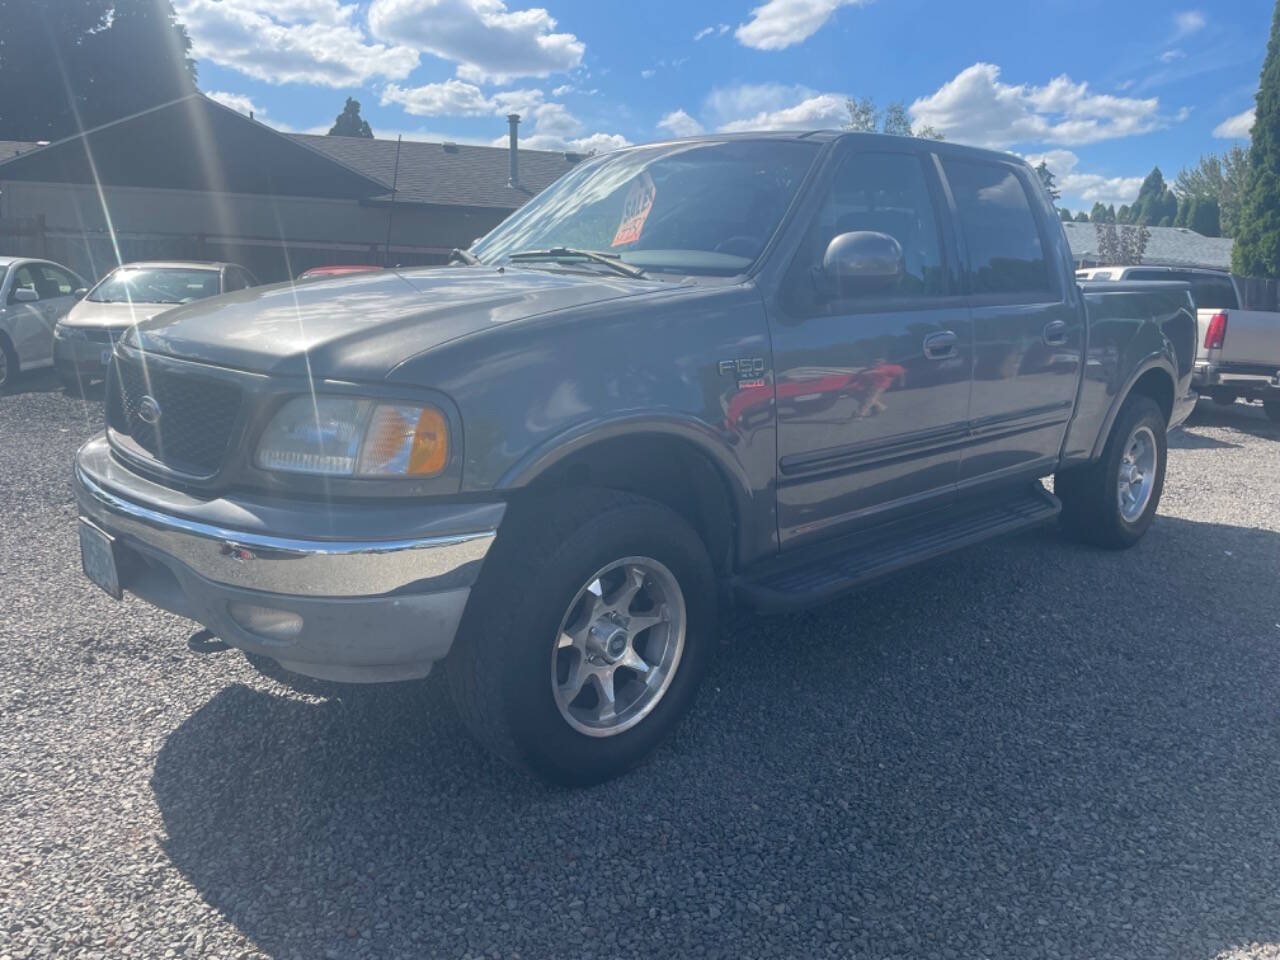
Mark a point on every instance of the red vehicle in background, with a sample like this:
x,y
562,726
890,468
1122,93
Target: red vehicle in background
x,y
337,270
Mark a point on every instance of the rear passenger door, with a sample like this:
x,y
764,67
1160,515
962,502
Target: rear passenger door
x,y
1028,327
871,383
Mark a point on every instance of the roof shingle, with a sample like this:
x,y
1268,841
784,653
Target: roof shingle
x,y
1169,246
440,173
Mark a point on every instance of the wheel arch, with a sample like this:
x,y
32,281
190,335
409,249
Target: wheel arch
x,y
677,462
1154,378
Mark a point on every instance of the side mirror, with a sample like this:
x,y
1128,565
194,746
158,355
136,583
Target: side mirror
x,y
24,295
862,263
79,292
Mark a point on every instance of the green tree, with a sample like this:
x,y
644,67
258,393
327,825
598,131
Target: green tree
x,y
349,122
74,64
1205,217
1047,178
1257,247
1184,211
865,117
1122,215
1082,217
1222,177
1064,215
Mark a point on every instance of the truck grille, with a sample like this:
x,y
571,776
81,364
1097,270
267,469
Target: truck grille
x,y
196,415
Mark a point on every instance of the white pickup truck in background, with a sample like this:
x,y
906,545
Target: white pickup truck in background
x,y
1239,349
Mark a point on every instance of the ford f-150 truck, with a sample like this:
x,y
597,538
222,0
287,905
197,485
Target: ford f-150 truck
x,y
729,373
1239,356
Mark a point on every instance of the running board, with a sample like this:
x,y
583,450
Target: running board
x,y
787,584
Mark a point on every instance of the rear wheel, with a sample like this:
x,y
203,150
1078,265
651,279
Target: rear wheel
x,y
1112,502
587,635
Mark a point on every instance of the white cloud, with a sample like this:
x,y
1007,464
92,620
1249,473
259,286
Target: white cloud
x,y
774,106
238,102
778,24
1188,22
977,107
680,124
648,73
562,90
458,98
297,41
488,42
1085,189
1171,55
1238,127
551,126
719,30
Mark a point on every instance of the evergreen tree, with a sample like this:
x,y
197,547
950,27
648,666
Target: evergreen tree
x,y
1082,217
1205,217
1257,247
1184,211
75,64
1222,177
1122,215
1099,213
1047,178
350,123
1064,215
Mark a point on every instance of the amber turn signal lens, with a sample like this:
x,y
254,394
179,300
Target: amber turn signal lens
x,y
430,450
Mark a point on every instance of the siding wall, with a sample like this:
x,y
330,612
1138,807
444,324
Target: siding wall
x,y
275,237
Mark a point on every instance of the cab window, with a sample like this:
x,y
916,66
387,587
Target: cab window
x,y
885,193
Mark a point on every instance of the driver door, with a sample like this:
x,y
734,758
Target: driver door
x,y
872,380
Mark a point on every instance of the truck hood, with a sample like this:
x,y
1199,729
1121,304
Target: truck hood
x,y
361,326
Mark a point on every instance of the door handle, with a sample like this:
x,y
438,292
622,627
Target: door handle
x,y
940,346
1055,333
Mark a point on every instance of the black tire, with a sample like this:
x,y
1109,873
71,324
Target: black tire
x,y
1223,398
1090,502
8,365
1272,407
500,667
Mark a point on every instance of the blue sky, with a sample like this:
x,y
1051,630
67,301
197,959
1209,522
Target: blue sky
x,y
1101,90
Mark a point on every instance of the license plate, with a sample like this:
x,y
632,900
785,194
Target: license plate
x,y
106,357
98,558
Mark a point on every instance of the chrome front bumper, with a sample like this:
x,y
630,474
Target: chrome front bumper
x,y
373,607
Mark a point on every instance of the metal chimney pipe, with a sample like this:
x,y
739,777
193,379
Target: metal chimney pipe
x,y
513,121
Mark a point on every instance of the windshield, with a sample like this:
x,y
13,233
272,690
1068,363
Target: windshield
x,y
690,208
155,285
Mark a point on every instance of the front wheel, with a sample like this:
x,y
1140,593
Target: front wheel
x,y
1112,502
587,635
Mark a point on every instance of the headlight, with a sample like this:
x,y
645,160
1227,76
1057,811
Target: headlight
x,y
353,437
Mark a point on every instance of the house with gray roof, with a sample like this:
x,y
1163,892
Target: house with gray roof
x,y
195,180
1167,246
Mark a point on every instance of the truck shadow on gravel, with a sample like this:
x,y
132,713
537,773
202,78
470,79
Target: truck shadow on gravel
x,y
1246,418
1032,749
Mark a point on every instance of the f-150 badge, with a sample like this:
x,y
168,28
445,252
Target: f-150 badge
x,y
748,370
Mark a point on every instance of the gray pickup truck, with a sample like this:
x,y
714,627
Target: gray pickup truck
x,y
721,374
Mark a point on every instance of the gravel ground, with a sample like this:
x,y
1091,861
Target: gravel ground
x,y
1034,749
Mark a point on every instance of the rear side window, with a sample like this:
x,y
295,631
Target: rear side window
x,y
1208,292
1006,254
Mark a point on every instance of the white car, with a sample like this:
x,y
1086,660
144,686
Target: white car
x,y
34,296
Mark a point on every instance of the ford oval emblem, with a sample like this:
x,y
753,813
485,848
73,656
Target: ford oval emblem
x,y
149,410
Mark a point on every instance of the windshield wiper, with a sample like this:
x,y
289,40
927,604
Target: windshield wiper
x,y
466,256
610,260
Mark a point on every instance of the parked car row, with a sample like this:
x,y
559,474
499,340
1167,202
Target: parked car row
x,y
1239,349
49,315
